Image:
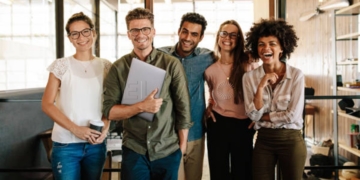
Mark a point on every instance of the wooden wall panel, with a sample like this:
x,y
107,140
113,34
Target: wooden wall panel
x,y
314,57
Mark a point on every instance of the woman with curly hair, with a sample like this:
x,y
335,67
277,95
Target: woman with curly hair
x,y
274,99
229,129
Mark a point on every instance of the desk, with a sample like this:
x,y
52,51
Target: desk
x,y
310,110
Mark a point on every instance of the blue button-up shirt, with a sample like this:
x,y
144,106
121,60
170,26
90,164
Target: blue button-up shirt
x,y
195,65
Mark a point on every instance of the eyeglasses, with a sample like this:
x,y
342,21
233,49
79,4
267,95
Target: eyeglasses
x,y
76,34
136,31
224,34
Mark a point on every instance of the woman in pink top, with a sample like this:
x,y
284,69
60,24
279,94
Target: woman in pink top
x,y
229,132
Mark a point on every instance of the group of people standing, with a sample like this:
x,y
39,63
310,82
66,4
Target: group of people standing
x,y
244,97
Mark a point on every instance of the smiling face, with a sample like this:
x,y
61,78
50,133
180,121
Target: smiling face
x,y
189,38
228,43
142,42
82,43
269,49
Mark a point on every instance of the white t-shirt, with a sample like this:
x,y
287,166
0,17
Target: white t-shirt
x,y
80,93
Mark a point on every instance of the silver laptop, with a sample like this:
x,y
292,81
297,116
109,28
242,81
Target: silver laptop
x,y
142,79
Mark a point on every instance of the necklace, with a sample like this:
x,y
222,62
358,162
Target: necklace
x,y
227,77
85,67
226,63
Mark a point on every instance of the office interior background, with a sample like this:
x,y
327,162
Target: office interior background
x,y
32,36
32,32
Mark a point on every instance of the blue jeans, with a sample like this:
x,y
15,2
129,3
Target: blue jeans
x,y
75,161
135,166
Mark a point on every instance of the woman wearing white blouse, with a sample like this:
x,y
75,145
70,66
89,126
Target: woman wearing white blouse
x,y
274,99
73,97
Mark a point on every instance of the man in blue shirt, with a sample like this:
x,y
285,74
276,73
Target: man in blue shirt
x,y
195,60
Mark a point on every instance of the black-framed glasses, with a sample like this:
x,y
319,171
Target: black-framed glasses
x,y
76,34
136,31
224,34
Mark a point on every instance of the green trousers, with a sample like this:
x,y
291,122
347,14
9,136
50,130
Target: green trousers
x,y
283,146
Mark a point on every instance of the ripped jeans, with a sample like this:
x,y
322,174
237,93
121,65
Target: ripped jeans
x,y
75,161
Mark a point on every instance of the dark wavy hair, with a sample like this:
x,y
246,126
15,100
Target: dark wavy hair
x,y
194,18
271,27
139,13
241,60
80,16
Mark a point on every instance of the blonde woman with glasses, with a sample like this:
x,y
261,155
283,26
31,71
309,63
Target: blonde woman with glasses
x,y
73,97
229,130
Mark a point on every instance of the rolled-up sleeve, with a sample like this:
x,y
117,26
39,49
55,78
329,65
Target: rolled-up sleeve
x,y
180,96
112,95
250,87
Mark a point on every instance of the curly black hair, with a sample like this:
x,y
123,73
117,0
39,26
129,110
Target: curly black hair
x,y
272,27
194,18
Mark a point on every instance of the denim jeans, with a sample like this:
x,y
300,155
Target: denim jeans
x,y
136,166
75,161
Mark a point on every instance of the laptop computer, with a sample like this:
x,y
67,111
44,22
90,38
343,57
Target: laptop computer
x,y
142,79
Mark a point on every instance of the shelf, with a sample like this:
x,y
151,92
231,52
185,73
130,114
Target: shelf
x,y
351,10
353,36
342,114
346,89
350,149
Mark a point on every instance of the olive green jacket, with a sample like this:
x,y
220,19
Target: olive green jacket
x,y
159,138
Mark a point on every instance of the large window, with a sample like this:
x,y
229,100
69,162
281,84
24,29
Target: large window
x,y
27,35
107,32
168,14
124,44
27,38
27,43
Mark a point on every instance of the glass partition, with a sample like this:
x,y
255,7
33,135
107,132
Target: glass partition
x,y
124,44
27,43
27,38
107,32
168,16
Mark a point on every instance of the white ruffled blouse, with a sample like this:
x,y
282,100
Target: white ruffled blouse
x,y
80,93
